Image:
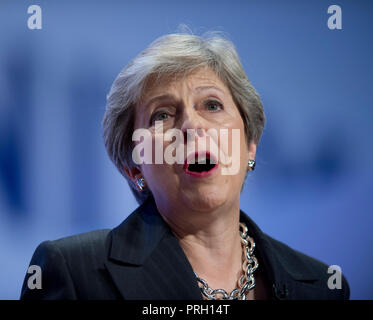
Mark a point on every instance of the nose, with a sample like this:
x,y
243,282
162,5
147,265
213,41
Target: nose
x,y
192,126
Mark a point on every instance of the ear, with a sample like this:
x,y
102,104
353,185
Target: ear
x,y
133,173
252,150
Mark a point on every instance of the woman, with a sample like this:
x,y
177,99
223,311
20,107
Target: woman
x,y
188,239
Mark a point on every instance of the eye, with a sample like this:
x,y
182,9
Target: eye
x,y
213,106
159,116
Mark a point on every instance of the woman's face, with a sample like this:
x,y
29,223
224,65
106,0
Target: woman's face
x,y
197,102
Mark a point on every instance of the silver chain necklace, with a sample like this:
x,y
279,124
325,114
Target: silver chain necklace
x,y
246,281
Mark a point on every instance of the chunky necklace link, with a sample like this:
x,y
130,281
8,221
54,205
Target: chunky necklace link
x,y
247,280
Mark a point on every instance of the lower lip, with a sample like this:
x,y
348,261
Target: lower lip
x,y
203,174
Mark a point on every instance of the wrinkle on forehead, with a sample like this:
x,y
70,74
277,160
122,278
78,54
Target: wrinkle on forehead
x,y
166,83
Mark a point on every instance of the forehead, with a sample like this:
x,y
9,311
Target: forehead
x,y
170,83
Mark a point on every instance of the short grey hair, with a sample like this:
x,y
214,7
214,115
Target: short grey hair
x,y
173,55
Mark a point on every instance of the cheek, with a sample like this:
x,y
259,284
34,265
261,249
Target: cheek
x,y
244,151
234,147
241,151
159,177
159,174
244,148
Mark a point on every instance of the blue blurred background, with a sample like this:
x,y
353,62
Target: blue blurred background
x,y
313,185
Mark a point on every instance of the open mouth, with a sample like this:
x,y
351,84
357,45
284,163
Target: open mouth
x,y
201,167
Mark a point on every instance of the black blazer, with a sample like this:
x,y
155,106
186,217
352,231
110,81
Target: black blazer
x,y
142,259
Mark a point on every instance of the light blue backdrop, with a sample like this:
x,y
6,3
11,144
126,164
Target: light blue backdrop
x,y
313,185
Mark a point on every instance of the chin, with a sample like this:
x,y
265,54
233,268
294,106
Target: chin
x,y
205,200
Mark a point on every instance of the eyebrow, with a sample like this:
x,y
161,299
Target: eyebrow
x,y
171,97
159,98
201,88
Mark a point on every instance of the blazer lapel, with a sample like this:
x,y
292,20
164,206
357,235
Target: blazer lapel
x,y
146,261
288,275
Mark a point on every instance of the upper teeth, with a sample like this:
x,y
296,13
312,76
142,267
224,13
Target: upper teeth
x,y
201,159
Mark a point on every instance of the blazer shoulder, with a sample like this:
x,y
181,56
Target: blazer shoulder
x,y
73,248
294,258
83,243
303,267
66,264
85,250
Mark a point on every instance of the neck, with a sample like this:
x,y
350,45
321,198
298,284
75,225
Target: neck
x,y
211,242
